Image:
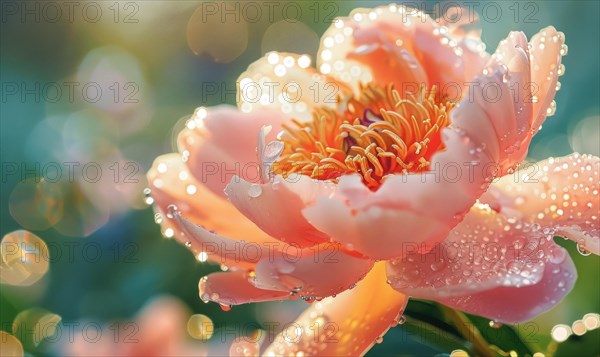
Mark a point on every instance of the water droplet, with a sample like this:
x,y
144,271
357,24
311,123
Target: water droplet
x,y
147,196
551,109
158,218
583,250
402,320
379,339
437,265
272,150
188,244
495,324
172,211
557,255
254,190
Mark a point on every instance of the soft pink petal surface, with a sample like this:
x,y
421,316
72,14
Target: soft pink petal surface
x,y
223,145
286,83
560,195
315,272
172,184
233,288
489,252
371,44
276,206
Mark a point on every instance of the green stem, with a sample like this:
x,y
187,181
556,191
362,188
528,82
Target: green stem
x,y
469,331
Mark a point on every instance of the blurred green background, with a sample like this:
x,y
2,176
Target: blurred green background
x,y
140,54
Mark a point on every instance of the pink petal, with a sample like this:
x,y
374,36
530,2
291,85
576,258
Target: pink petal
x,y
433,54
488,252
223,250
513,305
222,144
390,64
172,184
486,121
233,288
285,82
529,73
276,207
512,56
347,325
559,194
463,27
301,271
547,49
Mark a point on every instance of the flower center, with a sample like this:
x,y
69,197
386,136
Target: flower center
x,y
378,134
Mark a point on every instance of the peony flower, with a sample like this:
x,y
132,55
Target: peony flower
x,y
390,170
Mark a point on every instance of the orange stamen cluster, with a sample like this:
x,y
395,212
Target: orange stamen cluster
x,y
377,135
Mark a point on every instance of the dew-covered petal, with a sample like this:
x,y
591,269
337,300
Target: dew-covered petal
x,y
346,325
233,288
462,25
488,122
276,206
389,63
413,208
220,142
518,304
484,251
171,183
286,83
301,271
443,56
511,63
558,194
207,245
489,252
527,75
547,48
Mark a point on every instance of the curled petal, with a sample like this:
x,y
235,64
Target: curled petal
x,y
525,73
486,253
222,143
559,194
276,206
233,288
488,120
347,325
302,271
